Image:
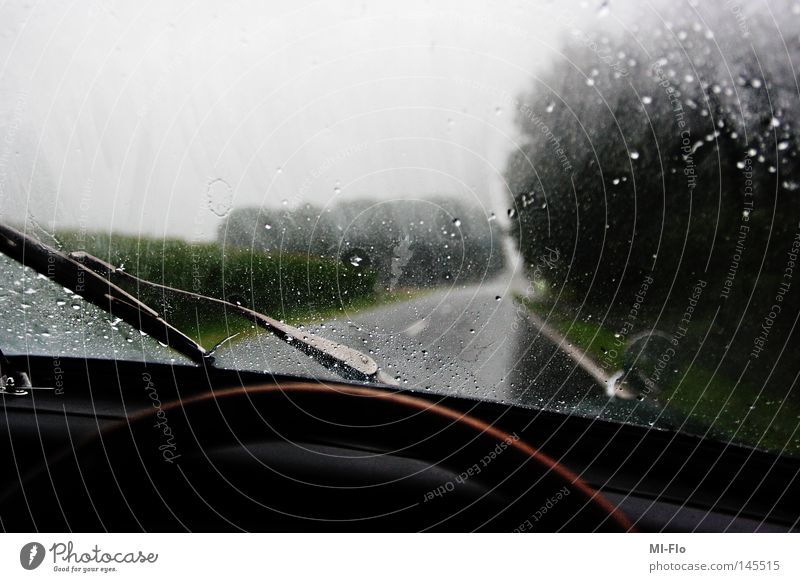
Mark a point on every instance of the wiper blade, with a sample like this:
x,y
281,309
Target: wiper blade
x,y
95,289
341,359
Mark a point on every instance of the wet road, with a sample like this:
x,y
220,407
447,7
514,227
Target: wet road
x,y
475,341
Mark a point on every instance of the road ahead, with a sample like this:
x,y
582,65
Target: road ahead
x,y
475,341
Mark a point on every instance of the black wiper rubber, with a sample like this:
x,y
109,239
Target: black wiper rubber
x,y
343,360
95,289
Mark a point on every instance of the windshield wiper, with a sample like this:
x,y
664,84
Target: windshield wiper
x,y
93,279
82,281
344,360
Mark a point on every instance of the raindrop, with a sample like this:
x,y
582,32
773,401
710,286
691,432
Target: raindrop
x,y
783,145
511,213
219,197
355,260
647,100
550,107
457,222
634,155
268,226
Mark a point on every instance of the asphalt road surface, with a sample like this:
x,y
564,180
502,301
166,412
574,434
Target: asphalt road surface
x,y
474,341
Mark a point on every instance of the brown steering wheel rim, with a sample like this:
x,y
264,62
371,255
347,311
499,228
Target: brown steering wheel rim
x,y
417,405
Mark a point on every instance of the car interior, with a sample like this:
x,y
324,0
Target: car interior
x,y
522,267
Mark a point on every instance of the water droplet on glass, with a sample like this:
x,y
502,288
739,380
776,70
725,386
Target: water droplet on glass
x,y
219,197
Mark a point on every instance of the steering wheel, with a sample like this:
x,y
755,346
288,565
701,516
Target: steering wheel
x,y
306,457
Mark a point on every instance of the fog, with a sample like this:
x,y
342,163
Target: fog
x,y
157,118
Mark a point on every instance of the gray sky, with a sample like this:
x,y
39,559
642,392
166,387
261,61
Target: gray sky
x,y
130,115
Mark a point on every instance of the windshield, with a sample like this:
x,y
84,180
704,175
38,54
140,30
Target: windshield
x,y
587,207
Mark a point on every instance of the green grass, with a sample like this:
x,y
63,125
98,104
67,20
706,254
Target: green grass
x,y
213,329
729,412
286,287
596,340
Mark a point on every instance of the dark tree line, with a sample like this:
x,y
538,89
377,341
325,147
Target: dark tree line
x,y
407,243
681,163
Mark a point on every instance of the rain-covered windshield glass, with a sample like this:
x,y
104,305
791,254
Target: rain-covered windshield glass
x,y
41,318
586,206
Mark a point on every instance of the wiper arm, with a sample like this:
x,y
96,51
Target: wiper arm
x,y
343,360
85,282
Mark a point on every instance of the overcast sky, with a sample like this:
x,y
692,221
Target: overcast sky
x,y
156,117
